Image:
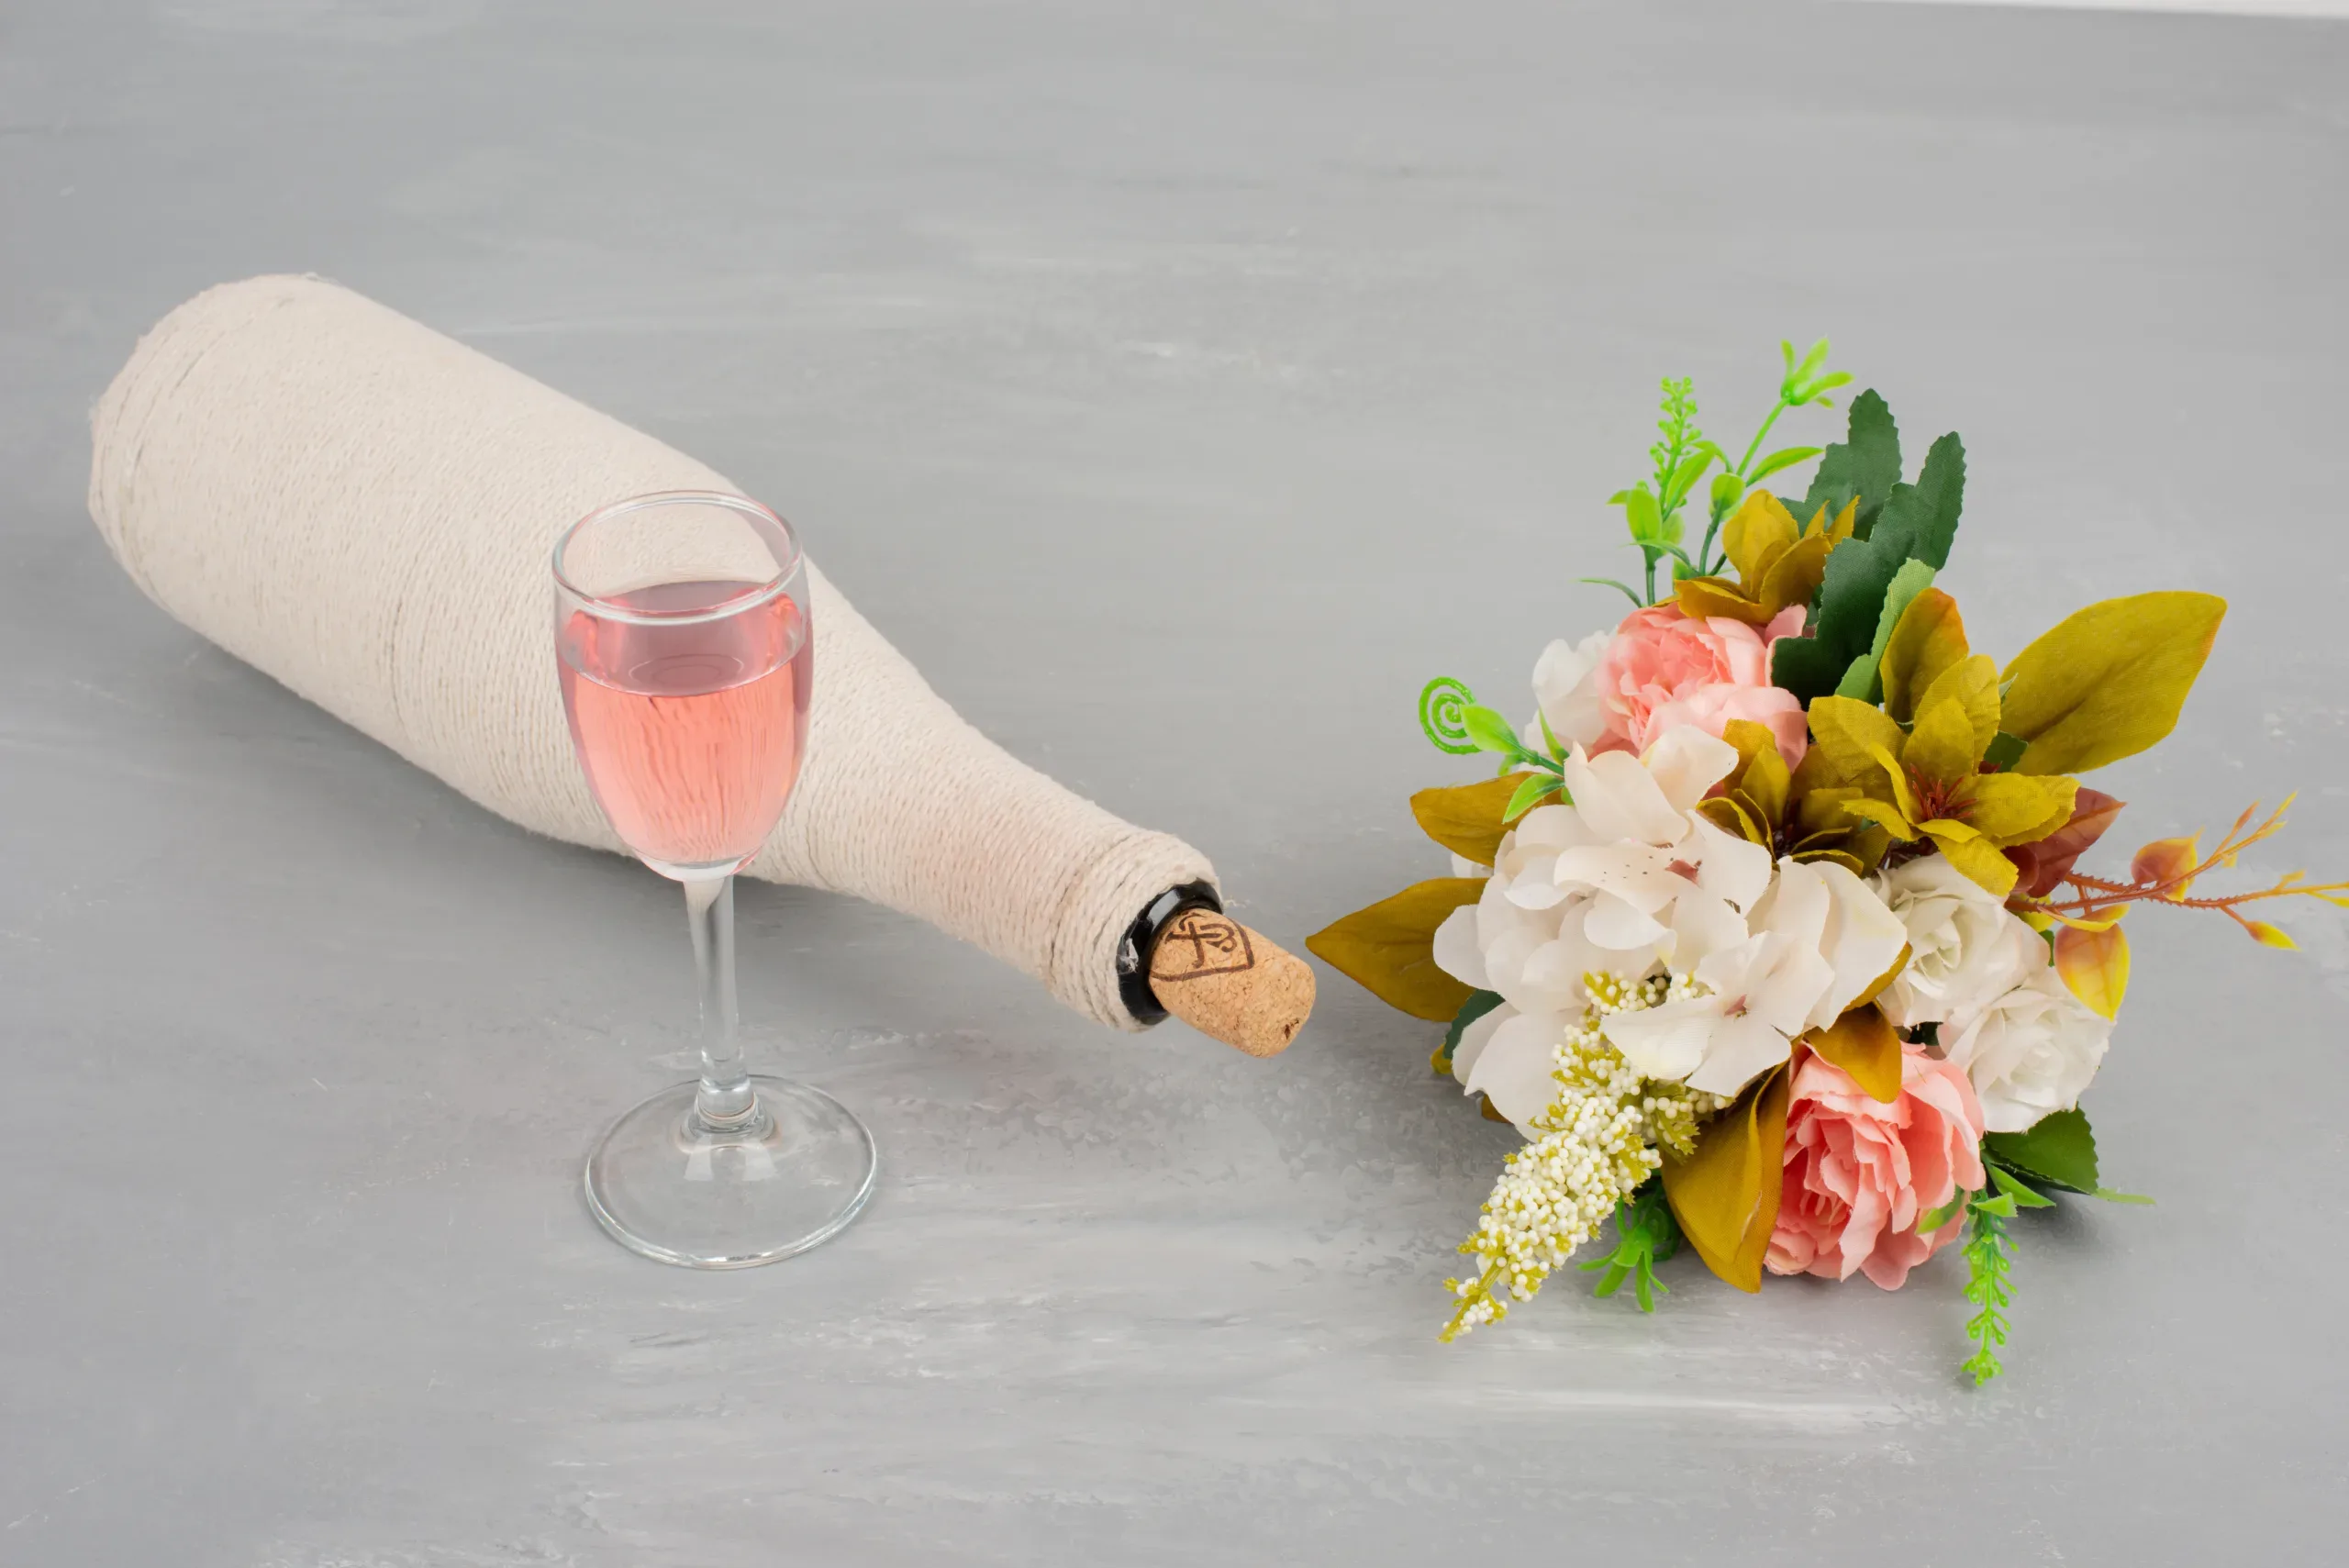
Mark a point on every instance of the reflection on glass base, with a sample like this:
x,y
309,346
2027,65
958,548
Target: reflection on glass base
x,y
794,1177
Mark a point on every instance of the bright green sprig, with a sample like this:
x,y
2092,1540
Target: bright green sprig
x,y
1457,723
1652,507
1443,703
1645,1235
1987,1250
1805,383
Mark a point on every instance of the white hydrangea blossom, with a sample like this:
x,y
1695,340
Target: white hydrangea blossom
x,y
1629,879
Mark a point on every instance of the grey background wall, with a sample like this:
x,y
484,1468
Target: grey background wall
x,y
1180,387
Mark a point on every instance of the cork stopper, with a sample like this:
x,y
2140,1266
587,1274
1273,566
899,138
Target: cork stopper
x,y
1227,981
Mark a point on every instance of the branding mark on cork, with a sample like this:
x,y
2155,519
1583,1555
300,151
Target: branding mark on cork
x,y
1200,943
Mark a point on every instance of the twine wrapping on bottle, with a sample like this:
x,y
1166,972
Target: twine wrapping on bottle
x,y
363,509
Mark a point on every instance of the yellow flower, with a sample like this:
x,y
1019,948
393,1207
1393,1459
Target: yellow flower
x,y
1916,761
1796,814
1779,562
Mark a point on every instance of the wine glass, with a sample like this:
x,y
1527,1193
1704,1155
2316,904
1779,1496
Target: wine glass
x,y
683,639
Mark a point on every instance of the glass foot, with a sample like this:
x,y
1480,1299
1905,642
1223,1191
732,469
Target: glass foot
x,y
794,1176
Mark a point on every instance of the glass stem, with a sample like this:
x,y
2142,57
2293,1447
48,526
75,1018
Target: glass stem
x,y
724,1102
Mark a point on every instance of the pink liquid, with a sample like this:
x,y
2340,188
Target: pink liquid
x,y
691,735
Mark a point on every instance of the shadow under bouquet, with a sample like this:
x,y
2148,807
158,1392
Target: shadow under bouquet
x,y
1771,935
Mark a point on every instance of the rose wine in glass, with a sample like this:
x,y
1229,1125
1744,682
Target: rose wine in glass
x,y
682,641
690,732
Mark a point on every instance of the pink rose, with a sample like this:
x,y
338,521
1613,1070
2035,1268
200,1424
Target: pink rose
x,y
1858,1173
1664,670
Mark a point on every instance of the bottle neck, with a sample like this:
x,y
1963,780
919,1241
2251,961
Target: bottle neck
x,y
1134,949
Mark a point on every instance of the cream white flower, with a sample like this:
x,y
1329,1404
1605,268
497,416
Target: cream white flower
x,y
1565,685
1618,882
1628,880
1966,949
1812,946
2033,1049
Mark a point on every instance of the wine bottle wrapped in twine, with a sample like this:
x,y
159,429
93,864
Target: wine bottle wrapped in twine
x,y
363,509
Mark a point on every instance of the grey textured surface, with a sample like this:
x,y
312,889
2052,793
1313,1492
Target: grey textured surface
x,y
1180,386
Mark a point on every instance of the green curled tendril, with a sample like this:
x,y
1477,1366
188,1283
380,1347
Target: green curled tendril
x,y
1443,701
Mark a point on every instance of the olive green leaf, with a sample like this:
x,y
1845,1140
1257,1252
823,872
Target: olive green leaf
x,y
1389,948
1725,1193
1863,1043
1469,819
2108,680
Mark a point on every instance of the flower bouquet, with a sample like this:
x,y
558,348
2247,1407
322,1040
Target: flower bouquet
x,y
1771,935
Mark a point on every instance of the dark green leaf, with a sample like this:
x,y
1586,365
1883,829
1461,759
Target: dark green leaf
x,y
1921,518
1851,595
1806,666
1842,627
2059,1150
1861,680
1866,464
1479,1003
2005,751
1915,522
